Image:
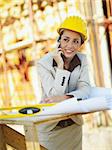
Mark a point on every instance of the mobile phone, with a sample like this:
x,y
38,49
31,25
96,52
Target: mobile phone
x,y
62,56
59,45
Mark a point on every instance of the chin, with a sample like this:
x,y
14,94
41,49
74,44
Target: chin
x,y
69,56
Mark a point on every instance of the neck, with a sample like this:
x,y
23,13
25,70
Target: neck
x,y
67,60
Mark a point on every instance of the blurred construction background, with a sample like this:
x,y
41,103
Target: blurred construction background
x,y
28,31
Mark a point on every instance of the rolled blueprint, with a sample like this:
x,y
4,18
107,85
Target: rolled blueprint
x,y
71,106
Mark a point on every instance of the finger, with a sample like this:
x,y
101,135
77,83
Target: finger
x,y
49,101
46,99
56,51
60,52
59,49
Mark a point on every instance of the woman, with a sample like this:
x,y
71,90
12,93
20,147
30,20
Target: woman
x,y
64,74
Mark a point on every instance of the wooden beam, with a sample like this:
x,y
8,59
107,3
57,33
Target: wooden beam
x,y
13,138
2,139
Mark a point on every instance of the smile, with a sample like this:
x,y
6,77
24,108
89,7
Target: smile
x,y
68,51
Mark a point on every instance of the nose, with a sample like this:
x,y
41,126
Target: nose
x,y
70,44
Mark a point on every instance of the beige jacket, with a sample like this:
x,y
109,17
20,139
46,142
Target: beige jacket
x,y
59,82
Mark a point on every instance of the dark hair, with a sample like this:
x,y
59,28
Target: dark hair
x,y
82,40
59,38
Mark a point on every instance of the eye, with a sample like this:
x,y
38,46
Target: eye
x,y
66,40
76,41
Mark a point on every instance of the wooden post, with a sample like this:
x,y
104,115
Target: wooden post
x,y
31,136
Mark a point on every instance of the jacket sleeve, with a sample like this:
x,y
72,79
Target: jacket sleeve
x,y
51,85
83,85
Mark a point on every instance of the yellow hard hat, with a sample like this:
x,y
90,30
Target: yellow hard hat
x,y
74,23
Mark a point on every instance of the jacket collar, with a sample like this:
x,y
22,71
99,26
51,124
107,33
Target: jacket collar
x,y
73,64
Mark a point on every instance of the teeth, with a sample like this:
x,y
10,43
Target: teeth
x,y
69,51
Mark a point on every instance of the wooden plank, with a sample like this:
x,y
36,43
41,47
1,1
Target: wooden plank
x,y
14,138
31,136
2,139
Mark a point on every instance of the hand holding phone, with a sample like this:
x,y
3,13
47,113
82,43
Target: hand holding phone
x,y
58,57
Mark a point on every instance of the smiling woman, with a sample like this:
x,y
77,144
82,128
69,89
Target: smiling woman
x,y
64,74
70,43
